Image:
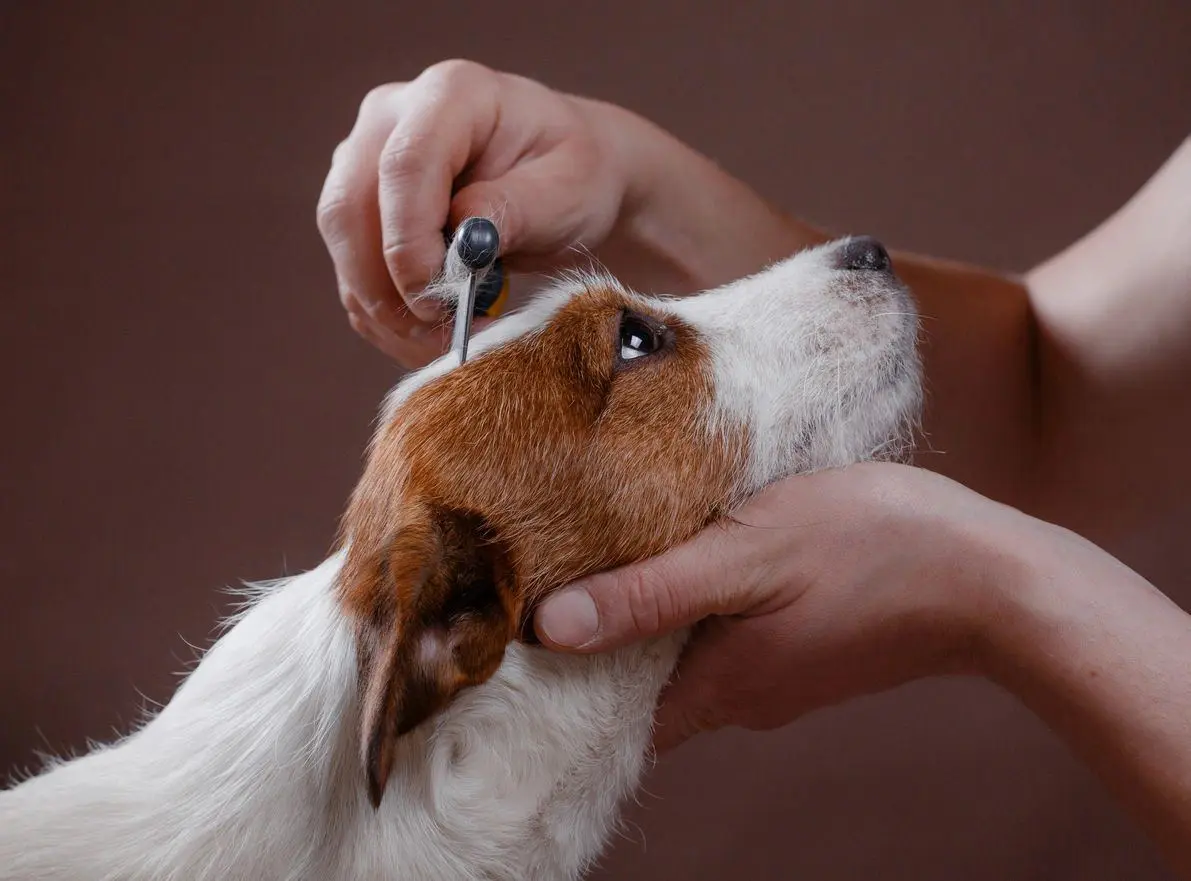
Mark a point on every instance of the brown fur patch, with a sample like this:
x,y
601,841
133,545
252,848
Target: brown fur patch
x,y
538,462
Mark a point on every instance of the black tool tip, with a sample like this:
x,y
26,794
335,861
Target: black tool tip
x,y
478,242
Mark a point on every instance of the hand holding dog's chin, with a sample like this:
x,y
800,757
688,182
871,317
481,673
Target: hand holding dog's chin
x,y
827,587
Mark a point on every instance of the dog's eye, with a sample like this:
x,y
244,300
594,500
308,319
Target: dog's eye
x,y
637,339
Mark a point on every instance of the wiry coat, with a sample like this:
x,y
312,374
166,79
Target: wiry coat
x,y
382,716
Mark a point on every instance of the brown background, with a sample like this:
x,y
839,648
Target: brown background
x,y
184,405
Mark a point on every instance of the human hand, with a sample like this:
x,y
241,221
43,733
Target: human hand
x,y
461,140
824,587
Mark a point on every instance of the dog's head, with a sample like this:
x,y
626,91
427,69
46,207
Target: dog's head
x,y
595,428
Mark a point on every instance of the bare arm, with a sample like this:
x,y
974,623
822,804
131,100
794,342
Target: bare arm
x,y
1043,389
849,582
687,225
1066,392
1114,351
1105,660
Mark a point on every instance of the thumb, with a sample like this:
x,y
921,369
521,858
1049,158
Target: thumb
x,y
702,577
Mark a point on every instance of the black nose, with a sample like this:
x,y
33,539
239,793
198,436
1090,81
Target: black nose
x,y
864,252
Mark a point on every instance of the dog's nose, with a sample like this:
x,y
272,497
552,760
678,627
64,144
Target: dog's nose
x,y
864,252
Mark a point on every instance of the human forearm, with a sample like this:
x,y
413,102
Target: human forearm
x,y
1037,399
1104,659
1113,316
685,224
567,175
978,351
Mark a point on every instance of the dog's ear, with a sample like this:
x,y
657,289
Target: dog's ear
x,y
436,608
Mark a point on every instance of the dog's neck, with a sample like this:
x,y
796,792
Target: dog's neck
x,y
253,768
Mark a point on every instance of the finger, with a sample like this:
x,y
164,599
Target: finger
x,y
741,565
426,343
534,205
379,337
398,349
694,701
713,573
447,117
349,218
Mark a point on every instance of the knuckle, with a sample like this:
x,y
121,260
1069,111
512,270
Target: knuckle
x,y
456,73
341,152
332,213
380,312
699,716
360,326
405,262
377,100
351,304
706,718
649,600
339,200
404,156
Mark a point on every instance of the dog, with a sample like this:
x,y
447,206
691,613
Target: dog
x,y
388,714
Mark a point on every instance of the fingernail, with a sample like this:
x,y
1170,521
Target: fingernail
x,y
570,618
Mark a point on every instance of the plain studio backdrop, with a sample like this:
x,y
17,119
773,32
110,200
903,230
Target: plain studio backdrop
x,y
185,405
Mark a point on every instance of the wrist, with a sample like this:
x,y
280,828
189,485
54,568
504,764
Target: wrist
x,y
1100,655
997,596
1051,599
1005,611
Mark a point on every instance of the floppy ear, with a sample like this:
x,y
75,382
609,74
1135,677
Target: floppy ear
x,y
436,607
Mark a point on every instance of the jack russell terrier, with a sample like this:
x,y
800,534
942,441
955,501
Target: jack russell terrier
x,y
385,715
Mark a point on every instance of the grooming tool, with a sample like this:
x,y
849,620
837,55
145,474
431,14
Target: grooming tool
x,y
476,243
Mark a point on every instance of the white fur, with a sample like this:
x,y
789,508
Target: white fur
x,y
819,364
252,770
